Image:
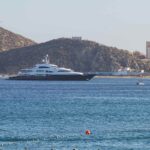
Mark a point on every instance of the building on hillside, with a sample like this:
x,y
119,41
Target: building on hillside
x,y
148,49
77,38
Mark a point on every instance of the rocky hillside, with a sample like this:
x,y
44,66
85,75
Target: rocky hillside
x,y
10,40
79,55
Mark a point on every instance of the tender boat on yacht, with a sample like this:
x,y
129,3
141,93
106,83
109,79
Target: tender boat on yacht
x,y
47,71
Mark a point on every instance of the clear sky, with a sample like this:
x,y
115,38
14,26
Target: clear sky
x,y
121,23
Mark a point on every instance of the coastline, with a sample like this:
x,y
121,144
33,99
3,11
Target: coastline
x,y
122,76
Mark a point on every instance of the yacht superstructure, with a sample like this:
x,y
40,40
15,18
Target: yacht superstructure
x,y
47,71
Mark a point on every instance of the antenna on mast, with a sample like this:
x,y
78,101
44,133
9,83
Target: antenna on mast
x,y
46,59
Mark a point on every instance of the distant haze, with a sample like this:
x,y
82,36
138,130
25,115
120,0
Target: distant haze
x,y
120,23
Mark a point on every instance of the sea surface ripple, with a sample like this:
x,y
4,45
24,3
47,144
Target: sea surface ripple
x,y
44,115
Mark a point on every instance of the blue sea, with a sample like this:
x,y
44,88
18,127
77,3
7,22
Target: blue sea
x,y
46,115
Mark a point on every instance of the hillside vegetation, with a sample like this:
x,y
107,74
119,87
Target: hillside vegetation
x,y
80,55
10,40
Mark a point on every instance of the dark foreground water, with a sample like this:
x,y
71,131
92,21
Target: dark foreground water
x,y
54,115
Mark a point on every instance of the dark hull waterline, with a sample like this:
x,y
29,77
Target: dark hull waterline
x,y
84,77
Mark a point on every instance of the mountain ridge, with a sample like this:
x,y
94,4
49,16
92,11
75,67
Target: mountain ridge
x,y
10,40
79,55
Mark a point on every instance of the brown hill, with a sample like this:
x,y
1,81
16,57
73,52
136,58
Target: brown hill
x,y
10,40
79,55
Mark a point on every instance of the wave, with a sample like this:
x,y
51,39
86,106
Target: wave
x,y
73,138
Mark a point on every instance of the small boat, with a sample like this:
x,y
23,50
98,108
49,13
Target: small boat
x,y
140,83
47,71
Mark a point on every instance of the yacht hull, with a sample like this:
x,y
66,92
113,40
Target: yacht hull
x,y
84,77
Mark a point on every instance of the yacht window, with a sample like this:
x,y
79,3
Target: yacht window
x,y
39,70
43,67
64,71
49,71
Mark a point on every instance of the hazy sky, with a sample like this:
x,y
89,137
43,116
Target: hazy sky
x,y
121,23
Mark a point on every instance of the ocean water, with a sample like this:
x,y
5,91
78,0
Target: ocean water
x,y
45,115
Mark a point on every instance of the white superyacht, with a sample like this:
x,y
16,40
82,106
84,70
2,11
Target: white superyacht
x,y
47,71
